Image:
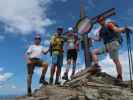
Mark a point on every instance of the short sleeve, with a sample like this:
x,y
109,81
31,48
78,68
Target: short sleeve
x,y
29,50
110,26
52,39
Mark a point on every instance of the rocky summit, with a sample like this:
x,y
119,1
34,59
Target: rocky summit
x,y
89,84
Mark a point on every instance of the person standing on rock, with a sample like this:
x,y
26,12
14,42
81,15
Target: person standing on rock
x,y
56,49
109,33
34,58
72,51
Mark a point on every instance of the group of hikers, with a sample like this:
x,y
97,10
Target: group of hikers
x,y
109,33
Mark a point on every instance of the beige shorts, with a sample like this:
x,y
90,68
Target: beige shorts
x,y
111,48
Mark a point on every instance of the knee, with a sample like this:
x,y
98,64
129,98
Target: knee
x,y
29,76
69,61
116,61
45,65
74,61
30,62
95,52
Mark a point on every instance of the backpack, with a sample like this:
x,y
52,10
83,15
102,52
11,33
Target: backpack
x,y
109,35
72,44
57,44
118,36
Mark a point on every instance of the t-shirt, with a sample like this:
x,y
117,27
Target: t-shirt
x,y
57,43
72,41
35,51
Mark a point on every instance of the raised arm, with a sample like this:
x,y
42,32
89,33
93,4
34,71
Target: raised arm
x,y
115,28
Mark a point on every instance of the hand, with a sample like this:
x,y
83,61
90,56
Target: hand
x,y
127,29
29,61
45,52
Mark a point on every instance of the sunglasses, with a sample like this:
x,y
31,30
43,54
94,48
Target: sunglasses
x,y
37,38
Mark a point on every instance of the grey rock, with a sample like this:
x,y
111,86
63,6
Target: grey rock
x,y
85,85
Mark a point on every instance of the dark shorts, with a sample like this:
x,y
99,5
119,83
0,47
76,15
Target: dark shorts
x,y
72,54
36,62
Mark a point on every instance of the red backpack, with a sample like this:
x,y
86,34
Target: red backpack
x,y
76,43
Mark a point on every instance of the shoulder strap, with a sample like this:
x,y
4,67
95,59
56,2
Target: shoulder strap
x,y
117,36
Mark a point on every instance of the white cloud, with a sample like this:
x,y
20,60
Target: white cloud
x,y
109,67
4,76
13,87
25,15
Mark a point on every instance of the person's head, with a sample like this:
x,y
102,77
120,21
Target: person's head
x,y
70,29
59,31
101,20
37,39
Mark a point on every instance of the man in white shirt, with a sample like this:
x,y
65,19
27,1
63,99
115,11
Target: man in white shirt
x,y
34,54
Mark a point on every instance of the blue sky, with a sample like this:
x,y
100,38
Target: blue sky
x,y
19,20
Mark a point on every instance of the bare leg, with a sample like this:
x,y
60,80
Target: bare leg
x,y
74,68
68,66
94,56
44,70
30,69
65,76
52,73
118,68
58,72
29,82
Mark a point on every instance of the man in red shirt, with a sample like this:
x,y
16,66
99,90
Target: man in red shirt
x,y
109,33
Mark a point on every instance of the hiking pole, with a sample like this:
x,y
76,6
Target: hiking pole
x,y
128,32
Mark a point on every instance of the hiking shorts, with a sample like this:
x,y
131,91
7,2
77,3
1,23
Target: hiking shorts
x,y
57,59
72,54
112,48
35,62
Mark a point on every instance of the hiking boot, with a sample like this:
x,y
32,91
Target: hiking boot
x,y
94,69
29,92
119,77
57,83
72,76
44,82
51,81
65,77
98,67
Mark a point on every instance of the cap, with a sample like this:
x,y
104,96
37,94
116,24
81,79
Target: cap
x,y
37,36
70,29
59,29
